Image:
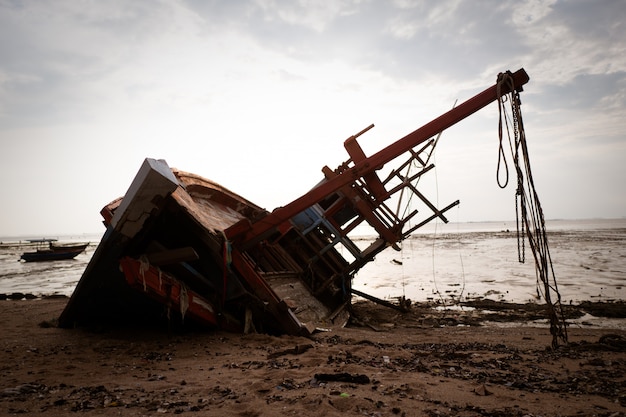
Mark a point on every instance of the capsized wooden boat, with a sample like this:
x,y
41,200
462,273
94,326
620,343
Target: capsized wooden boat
x,y
172,223
184,245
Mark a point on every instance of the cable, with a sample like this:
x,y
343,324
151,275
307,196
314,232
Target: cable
x,y
458,210
443,301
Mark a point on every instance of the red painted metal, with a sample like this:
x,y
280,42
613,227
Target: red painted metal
x,y
245,232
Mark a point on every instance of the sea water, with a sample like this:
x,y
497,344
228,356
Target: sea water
x,y
444,262
42,278
457,262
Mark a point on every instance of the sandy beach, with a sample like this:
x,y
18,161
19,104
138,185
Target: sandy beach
x,y
386,363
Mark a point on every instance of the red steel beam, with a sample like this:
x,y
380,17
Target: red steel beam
x,y
244,231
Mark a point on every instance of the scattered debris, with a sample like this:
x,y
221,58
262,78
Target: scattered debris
x,y
343,377
482,391
297,350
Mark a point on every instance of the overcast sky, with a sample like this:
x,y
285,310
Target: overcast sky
x,y
259,95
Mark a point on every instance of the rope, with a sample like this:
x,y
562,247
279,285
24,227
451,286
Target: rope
x,y
530,217
435,235
183,299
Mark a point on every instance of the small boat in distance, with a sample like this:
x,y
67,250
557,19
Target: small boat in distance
x,y
53,251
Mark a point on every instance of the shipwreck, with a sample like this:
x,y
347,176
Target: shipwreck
x,y
183,247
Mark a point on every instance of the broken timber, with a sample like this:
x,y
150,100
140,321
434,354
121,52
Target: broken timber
x,y
183,247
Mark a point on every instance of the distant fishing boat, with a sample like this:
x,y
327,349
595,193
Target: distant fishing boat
x,y
53,251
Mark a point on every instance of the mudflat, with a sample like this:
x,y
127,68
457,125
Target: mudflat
x,y
386,363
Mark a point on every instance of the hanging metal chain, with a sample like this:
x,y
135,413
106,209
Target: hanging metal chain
x,y
519,193
521,242
529,214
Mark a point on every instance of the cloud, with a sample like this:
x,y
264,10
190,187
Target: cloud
x,y
588,92
308,14
573,38
192,81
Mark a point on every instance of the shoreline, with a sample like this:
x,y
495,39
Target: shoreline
x,y
449,268
384,364
475,311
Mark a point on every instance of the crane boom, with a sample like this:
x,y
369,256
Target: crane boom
x,y
246,231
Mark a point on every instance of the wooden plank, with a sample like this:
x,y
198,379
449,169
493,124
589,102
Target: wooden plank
x,y
151,185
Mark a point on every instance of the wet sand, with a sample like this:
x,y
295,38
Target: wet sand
x,y
421,363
